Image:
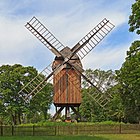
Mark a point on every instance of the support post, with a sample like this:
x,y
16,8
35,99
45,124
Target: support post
x,y
57,113
67,114
76,112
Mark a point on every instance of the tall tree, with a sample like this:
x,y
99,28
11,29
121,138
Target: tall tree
x,y
12,78
104,80
100,78
115,110
134,18
129,79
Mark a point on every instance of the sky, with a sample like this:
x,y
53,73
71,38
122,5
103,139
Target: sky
x,y
69,21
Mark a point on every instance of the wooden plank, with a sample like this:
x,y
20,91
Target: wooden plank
x,y
67,93
64,87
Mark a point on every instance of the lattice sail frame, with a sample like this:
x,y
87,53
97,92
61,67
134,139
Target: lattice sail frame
x,y
82,48
36,84
87,43
99,95
45,36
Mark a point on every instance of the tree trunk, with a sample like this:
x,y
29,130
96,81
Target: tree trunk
x,y
45,113
19,119
14,119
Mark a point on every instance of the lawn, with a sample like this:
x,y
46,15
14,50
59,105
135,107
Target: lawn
x,y
119,136
96,137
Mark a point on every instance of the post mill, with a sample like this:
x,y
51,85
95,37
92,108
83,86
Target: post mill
x,y
66,69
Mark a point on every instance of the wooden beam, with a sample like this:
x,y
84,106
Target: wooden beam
x,y
57,113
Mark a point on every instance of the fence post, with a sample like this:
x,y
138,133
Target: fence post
x,y
33,130
12,130
1,127
77,130
58,130
55,130
120,128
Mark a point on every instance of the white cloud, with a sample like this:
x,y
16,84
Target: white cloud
x,y
12,40
71,26
106,58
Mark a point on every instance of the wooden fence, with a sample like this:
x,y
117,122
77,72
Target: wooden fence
x,y
69,130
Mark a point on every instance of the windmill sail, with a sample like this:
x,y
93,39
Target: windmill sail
x,y
36,84
99,95
82,48
100,98
87,43
45,36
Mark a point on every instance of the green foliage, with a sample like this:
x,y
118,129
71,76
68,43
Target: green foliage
x,y
48,123
109,122
115,107
41,103
129,80
90,109
12,78
100,78
134,18
13,108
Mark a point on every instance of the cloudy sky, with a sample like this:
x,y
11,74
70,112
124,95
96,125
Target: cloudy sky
x,y
69,21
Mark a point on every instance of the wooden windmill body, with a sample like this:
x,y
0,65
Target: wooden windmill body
x,y
66,69
67,84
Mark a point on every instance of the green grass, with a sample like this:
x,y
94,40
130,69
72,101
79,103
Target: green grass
x,y
119,136
96,137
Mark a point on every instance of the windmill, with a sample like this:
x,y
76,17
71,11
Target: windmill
x,y
66,70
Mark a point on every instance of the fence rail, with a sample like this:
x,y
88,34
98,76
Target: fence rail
x,y
69,130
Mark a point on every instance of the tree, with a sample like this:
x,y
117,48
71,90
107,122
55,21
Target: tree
x,y
115,108
13,107
129,80
89,109
134,18
12,78
104,80
41,103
